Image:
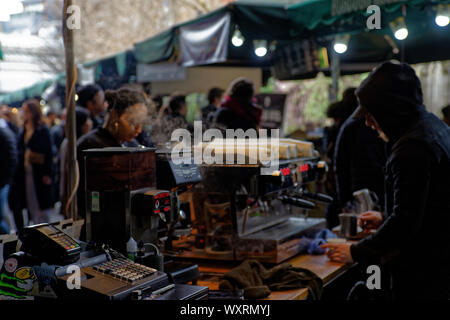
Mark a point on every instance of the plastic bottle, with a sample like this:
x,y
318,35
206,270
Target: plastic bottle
x,y
132,248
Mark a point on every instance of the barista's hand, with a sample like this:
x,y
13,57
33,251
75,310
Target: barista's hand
x,y
338,252
370,220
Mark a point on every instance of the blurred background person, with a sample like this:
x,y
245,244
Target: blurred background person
x,y
158,101
58,131
12,118
446,114
58,135
339,111
161,109
215,96
238,109
92,98
8,164
359,159
51,119
83,126
178,112
169,119
32,187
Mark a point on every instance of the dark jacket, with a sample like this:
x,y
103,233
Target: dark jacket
x,y
227,119
236,114
208,114
97,122
359,159
14,129
40,142
145,139
58,135
414,239
8,158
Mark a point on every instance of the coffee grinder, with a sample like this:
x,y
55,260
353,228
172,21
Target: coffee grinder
x,y
122,201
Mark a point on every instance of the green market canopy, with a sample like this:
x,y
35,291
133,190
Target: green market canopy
x,y
299,38
288,28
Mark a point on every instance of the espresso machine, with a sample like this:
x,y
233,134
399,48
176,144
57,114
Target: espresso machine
x,y
242,212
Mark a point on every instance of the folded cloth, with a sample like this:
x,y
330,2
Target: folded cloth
x,y
314,247
311,243
258,282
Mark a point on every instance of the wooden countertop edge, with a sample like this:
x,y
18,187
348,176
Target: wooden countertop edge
x,y
317,264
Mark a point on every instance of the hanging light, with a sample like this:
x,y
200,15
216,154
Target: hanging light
x,y
398,27
238,39
260,47
443,15
341,43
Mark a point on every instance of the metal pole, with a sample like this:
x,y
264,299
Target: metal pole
x,y
335,74
70,105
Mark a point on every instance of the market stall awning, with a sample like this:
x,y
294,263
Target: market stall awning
x,y
268,21
298,36
158,48
334,16
34,91
311,23
325,19
112,71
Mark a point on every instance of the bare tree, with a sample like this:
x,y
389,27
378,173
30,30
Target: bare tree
x,y
108,27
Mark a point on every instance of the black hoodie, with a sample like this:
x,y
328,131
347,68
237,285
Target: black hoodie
x,y
414,239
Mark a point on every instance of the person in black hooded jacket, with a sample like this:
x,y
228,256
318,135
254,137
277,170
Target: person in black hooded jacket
x,y
413,238
359,159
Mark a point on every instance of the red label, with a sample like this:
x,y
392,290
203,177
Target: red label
x,y
304,168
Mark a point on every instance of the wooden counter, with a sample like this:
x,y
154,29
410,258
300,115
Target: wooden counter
x,y
319,264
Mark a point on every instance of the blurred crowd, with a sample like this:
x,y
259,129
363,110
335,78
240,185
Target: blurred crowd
x,y
34,168
33,145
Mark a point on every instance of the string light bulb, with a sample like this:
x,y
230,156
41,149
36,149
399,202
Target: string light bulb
x,y
398,27
238,39
341,43
260,47
442,15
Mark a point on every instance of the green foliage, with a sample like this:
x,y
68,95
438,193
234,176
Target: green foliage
x,y
194,102
308,100
270,86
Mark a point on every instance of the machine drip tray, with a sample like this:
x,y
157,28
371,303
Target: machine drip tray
x,y
287,229
279,242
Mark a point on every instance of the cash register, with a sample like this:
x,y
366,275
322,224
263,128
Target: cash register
x,y
53,265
